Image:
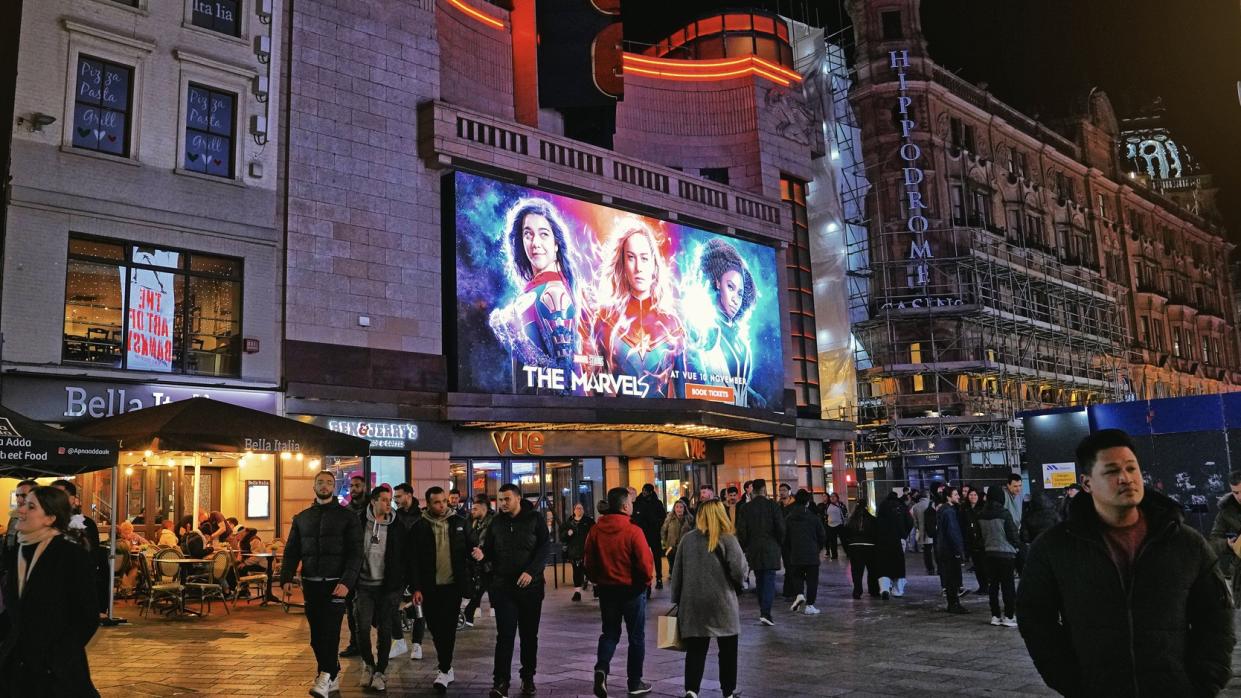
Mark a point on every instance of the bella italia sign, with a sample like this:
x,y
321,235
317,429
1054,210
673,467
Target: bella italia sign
x,y
916,222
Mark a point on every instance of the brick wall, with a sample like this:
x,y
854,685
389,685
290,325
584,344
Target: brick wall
x,y
476,61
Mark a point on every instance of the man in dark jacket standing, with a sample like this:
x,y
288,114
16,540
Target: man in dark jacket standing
x,y
516,546
620,561
1225,532
357,504
803,543
649,514
950,548
407,514
1124,598
760,531
442,576
385,571
481,516
326,540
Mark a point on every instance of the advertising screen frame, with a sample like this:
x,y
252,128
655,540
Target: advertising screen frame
x,y
761,265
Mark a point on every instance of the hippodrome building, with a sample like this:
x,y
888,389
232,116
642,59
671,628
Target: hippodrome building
x,y
481,236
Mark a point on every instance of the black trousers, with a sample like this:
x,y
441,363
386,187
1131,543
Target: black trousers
x,y
517,611
805,581
862,560
323,612
579,573
979,558
833,539
950,577
1000,578
657,552
928,556
696,662
441,606
420,625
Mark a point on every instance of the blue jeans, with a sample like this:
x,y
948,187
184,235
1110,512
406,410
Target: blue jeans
x,y
627,604
765,581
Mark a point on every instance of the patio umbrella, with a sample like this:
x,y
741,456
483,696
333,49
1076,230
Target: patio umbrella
x,y
30,449
201,424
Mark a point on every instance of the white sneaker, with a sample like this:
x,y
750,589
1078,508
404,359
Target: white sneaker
x,y
379,682
364,681
322,685
811,611
399,648
334,686
416,651
995,620
798,603
1009,622
442,680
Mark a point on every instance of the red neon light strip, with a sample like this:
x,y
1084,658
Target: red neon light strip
x,y
712,63
480,16
679,71
708,76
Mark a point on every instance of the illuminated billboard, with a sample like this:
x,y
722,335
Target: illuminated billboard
x,y
557,296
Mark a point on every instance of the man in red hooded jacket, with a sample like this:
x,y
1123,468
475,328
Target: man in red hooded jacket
x,y
619,561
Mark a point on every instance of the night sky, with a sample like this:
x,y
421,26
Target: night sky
x,y
1038,54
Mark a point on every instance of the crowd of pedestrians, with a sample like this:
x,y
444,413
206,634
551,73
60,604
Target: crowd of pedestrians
x,y
1111,591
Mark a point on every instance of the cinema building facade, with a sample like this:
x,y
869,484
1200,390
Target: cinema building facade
x,y
534,307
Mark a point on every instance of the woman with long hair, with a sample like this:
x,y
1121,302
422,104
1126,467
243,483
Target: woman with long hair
x,y
541,326
677,524
51,603
860,538
706,577
573,535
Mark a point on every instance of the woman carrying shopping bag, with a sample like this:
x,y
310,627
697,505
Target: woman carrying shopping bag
x,y
706,576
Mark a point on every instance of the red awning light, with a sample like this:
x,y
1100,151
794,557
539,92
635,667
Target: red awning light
x,y
483,17
673,69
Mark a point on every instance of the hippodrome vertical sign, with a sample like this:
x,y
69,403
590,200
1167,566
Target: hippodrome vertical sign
x,y
912,175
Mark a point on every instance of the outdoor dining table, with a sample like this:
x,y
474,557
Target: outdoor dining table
x,y
268,596
183,565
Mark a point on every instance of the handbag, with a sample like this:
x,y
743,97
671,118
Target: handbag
x,y
670,632
719,555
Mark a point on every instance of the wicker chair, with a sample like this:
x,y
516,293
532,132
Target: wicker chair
x,y
255,578
161,580
212,585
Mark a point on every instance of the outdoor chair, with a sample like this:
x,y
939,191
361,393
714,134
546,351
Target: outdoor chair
x,y
255,578
211,585
161,581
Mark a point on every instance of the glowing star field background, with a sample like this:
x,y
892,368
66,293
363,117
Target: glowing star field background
x,y
577,327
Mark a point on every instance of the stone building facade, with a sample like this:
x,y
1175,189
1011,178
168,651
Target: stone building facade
x,y
1012,265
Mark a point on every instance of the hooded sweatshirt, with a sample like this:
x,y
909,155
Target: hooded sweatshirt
x,y
374,546
617,554
443,553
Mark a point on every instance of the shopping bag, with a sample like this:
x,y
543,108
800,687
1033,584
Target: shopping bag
x,y
669,633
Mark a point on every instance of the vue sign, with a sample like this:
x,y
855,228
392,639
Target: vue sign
x,y
518,443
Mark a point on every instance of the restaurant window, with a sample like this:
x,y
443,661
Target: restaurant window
x,y
222,16
892,30
101,106
209,131
145,308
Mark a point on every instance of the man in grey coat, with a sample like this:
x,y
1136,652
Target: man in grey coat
x,y
760,528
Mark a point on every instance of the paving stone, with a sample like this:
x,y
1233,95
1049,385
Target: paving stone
x,y
866,647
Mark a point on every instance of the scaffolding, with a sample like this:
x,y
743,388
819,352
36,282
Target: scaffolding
x,y
950,349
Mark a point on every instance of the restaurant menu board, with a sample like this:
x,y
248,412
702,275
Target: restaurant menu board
x,y
152,306
557,296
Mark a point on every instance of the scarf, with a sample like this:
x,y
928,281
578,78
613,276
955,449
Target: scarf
x,y
443,554
39,539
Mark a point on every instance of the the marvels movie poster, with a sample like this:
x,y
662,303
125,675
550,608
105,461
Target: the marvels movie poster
x,y
557,296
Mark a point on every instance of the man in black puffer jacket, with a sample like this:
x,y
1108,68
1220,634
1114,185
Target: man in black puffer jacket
x,y
514,551
326,540
1124,599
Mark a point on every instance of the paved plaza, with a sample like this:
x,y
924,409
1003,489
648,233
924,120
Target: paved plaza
x,y
867,647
